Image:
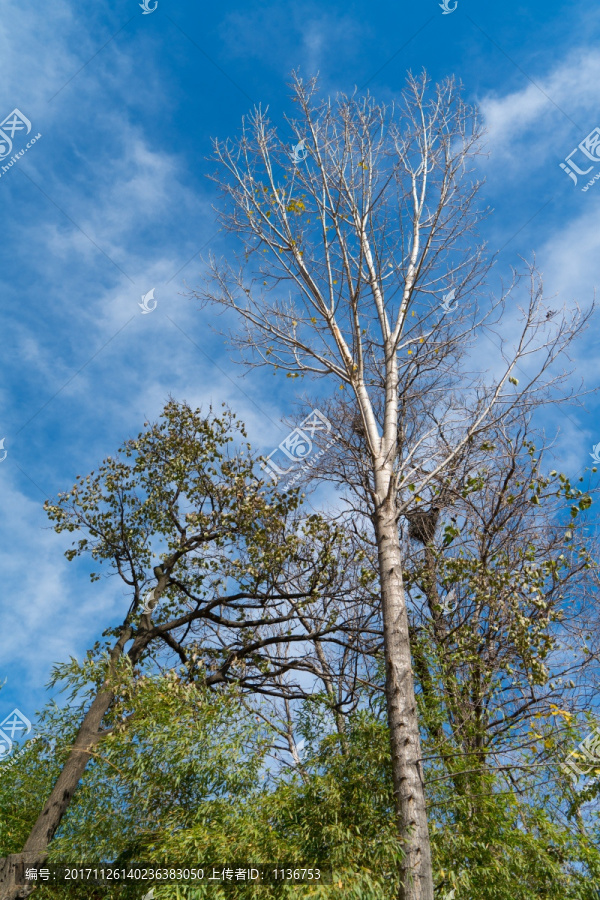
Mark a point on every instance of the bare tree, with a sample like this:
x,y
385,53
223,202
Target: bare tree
x,y
343,252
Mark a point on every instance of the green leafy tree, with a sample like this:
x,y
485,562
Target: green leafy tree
x,y
218,571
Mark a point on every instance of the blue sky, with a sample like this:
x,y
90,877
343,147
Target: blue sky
x,y
113,201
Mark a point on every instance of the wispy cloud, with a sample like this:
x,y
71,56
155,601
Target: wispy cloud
x,y
306,36
527,126
122,161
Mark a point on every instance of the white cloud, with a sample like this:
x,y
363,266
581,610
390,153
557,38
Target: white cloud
x,y
36,58
531,124
48,610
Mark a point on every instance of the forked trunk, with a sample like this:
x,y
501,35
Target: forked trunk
x,y
407,769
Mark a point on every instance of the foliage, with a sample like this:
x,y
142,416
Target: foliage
x,y
189,780
186,769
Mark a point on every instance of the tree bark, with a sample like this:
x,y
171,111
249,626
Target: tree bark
x,y
35,849
407,769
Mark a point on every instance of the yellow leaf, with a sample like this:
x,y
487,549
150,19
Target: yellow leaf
x,y
561,712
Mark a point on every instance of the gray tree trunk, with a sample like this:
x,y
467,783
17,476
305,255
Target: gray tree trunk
x,y
407,770
35,849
